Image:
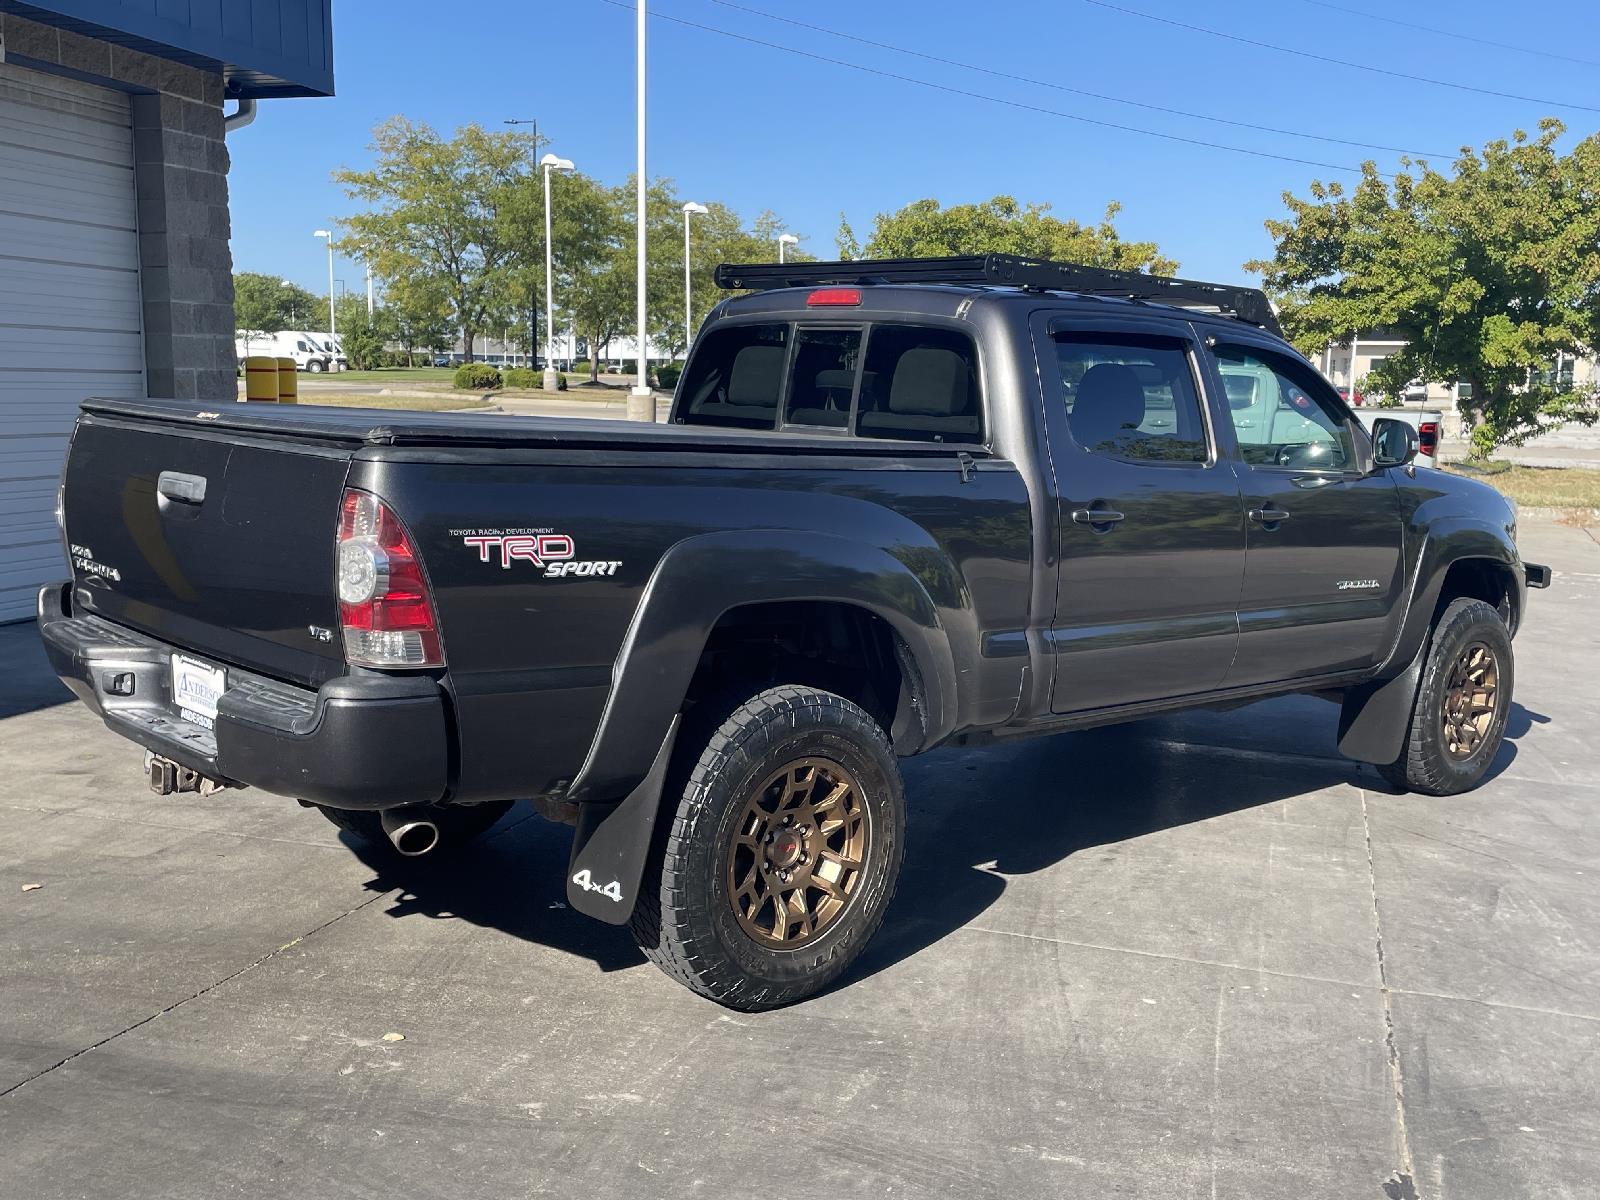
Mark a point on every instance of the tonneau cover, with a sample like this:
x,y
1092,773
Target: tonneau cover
x,y
381,427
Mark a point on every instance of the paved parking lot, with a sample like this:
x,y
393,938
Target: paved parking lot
x,y
1194,957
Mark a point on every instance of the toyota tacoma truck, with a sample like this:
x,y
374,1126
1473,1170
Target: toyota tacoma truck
x,y
897,505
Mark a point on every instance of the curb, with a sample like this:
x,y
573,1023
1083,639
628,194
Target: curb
x,y
1580,516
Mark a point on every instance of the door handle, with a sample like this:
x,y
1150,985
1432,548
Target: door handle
x,y
1268,516
1096,516
187,489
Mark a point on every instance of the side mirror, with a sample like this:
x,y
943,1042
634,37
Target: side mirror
x,y
1394,443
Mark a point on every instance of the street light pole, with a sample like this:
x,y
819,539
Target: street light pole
x,y
641,400
786,239
282,283
369,291
533,316
688,307
333,327
552,379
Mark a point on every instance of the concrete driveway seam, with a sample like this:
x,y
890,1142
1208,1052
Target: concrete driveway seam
x,y
1400,1185
122,820
1173,958
210,987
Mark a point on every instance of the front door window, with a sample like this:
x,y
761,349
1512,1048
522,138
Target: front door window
x,y
1280,417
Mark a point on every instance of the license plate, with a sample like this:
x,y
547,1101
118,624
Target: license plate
x,y
196,688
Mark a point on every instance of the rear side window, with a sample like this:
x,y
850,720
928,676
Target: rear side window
x,y
920,383
736,377
1131,398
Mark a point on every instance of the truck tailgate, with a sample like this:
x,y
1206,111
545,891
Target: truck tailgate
x,y
219,542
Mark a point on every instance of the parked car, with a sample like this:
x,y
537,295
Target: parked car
x,y
884,517
1352,396
442,360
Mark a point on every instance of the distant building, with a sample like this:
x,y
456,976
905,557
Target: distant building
x,y
1370,349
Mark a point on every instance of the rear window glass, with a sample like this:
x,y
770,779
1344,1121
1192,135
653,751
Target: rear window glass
x,y
824,377
907,382
736,377
921,384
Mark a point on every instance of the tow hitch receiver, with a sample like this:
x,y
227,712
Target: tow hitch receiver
x,y
167,777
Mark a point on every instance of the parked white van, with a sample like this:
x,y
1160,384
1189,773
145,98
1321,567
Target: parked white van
x,y
308,352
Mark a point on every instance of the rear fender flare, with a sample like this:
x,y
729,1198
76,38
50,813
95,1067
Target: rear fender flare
x,y
632,749
699,580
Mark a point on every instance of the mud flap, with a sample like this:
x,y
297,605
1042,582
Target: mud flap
x,y
612,844
1376,717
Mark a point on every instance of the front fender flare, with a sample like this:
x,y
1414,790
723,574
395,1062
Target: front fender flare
x,y
1449,540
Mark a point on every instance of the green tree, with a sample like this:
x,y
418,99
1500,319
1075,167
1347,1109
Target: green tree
x,y
1487,272
721,236
1003,226
420,314
363,336
445,210
265,304
845,240
594,272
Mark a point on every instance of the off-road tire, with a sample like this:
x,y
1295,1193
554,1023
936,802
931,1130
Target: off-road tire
x,y
1425,764
685,921
458,823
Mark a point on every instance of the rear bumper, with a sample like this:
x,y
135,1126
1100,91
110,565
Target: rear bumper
x,y
359,741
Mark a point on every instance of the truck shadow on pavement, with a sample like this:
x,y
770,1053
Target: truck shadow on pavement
x,y
976,817
512,879
979,817
27,683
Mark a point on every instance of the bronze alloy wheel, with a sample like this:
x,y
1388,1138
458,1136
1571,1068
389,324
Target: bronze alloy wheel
x,y
1469,700
798,851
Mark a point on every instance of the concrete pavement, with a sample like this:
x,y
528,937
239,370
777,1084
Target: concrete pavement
x,y
1194,957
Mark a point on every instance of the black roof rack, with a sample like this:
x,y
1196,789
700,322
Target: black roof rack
x,y
1008,270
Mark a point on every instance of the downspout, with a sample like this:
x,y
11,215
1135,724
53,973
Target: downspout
x,y
240,117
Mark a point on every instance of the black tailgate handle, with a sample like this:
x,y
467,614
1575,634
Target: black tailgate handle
x,y
186,489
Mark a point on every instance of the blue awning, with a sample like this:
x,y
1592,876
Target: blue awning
x,y
263,48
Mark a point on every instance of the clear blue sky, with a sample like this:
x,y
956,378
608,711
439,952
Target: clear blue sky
x,y
760,128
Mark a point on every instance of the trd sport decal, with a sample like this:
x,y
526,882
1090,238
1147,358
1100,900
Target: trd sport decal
x,y
556,554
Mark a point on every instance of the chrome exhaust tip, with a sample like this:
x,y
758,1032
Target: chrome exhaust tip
x,y
410,830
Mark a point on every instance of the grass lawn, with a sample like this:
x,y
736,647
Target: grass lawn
x,y
399,377
439,403
1538,487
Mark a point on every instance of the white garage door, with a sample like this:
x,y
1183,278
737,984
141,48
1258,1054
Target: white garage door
x,y
69,299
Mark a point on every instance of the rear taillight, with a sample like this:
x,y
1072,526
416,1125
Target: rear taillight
x,y
1428,438
384,606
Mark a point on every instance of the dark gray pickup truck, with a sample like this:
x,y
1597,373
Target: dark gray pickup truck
x,y
898,505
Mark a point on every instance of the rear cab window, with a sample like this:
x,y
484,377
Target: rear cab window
x,y
1132,397
891,380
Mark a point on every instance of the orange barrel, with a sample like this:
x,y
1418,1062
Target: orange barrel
x,y
261,378
288,383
